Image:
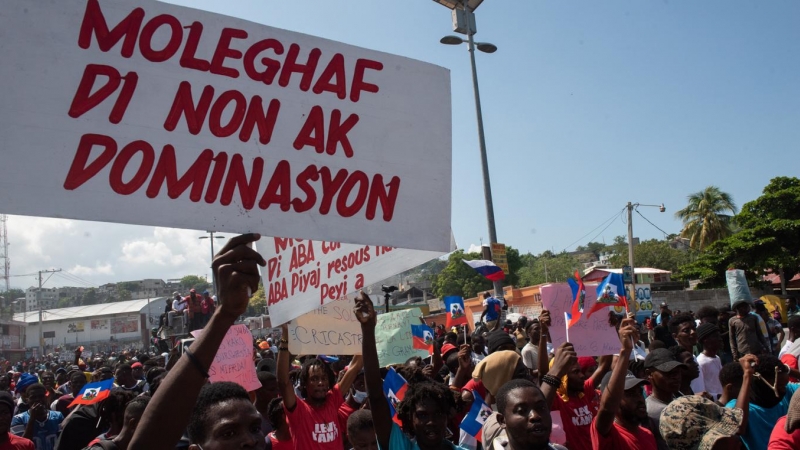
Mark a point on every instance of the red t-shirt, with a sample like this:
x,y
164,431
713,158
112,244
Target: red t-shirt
x,y
17,443
791,361
344,413
317,428
280,445
577,415
781,440
621,439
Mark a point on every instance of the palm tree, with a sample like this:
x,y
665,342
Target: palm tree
x,y
705,218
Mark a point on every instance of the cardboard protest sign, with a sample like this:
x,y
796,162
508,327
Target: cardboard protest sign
x,y
302,275
591,336
331,329
234,359
394,339
147,113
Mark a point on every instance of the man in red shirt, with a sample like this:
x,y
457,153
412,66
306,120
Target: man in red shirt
x,y
194,306
314,419
9,441
622,407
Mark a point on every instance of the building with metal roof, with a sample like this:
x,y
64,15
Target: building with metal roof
x,y
101,326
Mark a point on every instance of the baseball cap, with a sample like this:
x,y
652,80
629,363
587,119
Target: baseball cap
x,y
205,292
192,291
705,330
630,381
267,365
662,360
447,348
136,364
176,293
694,422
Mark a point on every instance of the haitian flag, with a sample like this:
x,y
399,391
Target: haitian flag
x,y
423,337
473,422
456,314
394,388
93,393
486,268
578,298
611,292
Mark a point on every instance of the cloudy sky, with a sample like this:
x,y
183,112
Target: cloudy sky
x,y
587,105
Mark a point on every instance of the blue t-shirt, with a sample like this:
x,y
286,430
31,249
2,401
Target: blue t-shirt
x,y
493,308
761,420
44,433
399,441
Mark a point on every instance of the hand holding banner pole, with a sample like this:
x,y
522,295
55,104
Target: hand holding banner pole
x,y
566,324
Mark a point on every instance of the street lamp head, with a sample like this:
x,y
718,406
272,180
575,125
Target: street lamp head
x,y
662,208
486,47
453,4
451,40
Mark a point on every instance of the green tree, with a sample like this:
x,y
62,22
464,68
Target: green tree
x,y
460,279
548,268
257,302
194,282
122,295
653,253
89,297
768,239
705,218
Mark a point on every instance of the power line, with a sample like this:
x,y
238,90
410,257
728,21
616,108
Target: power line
x,y
595,228
74,279
651,223
79,279
603,230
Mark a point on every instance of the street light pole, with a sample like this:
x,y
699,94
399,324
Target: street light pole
x,y
488,48
213,276
630,206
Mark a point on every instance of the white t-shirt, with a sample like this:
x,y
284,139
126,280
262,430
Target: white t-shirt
x,y
698,384
709,371
178,305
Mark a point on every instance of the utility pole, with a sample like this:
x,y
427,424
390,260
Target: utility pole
x,y
630,254
39,301
5,260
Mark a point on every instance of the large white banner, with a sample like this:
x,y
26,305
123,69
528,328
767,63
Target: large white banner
x,y
147,113
302,275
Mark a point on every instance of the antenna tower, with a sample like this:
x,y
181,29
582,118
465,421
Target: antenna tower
x,y
5,260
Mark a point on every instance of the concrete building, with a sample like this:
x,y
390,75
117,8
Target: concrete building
x,y
48,297
97,327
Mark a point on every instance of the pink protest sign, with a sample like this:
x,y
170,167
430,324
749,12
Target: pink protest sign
x,y
234,359
591,336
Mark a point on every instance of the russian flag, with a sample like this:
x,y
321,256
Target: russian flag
x,y
93,393
478,413
486,268
611,292
394,388
423,337
578,298
456,314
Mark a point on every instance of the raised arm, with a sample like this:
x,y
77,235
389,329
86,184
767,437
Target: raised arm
x,y
612,396
169,411
352,372
748,363
381,416
543,356
603,366
285,385
564,359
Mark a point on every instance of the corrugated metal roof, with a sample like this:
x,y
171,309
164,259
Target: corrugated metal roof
x,y
638,270
86,312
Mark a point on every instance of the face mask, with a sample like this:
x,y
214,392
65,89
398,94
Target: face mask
x,y
359,396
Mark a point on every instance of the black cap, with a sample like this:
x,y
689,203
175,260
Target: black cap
x,y
705,330
630,381
661,360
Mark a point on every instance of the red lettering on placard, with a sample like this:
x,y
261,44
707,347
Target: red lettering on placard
x,y
94,21
358,79
313,132
335,69
79,172
175,38
290,66
224,51
225,99
337,133
167,173
237,179
271,67
353,192
122,161
279,188
188,59
184,105
85,100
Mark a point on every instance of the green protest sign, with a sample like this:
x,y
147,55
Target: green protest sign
x,y
393,337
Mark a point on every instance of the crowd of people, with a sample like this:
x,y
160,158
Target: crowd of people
x,y
692,392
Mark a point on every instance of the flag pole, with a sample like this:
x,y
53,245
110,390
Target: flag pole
x,y
566,324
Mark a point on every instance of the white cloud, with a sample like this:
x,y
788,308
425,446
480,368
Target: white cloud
x,y
474,248
100,253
